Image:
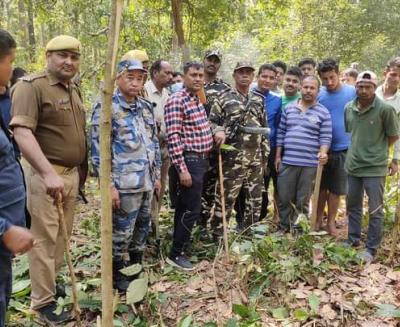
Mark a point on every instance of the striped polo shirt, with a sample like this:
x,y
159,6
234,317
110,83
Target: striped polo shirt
x,y
301,134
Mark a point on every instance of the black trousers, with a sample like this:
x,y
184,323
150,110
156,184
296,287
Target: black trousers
x,y
188,203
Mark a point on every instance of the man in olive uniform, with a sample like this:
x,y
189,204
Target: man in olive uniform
x,y
49,127
240,113
212,87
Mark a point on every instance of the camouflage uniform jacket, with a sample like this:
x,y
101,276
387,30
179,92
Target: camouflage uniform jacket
x,y
135,150
227,109
212,90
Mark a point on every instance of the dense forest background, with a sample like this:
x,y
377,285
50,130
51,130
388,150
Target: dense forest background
x,y
363,31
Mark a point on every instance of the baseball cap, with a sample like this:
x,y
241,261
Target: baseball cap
x,y
210,53
243,64
367,76
130,65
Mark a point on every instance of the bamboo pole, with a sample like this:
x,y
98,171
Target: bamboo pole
x,y
67,247
105,165
316,197
222,194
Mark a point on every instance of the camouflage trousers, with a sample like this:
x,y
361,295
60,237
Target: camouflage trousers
x,y
131,224
243,169
208,195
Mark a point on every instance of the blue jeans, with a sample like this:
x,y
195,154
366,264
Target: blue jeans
x,y
374,187
5,285
188,204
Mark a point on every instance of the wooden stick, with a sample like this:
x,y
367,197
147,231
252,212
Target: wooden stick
x,y
76,309
105,165
316,197
222,194
396,227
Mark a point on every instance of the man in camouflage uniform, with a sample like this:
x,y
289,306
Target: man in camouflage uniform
x,y
240,113
212,87
135,169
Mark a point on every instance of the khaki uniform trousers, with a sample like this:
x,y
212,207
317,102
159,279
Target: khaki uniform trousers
x,y
47,256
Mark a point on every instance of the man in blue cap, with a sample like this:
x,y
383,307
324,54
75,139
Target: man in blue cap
x,y
136,165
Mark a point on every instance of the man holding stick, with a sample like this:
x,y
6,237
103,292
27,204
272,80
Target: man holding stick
x,y
303,141
49,127
239,113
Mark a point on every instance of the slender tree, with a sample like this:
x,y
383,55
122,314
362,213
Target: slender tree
x,y
105,165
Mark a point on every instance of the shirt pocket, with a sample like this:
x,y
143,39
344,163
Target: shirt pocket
x,y
58,114
130,179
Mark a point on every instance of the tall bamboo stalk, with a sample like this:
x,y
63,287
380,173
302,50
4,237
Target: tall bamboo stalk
x,y
105,165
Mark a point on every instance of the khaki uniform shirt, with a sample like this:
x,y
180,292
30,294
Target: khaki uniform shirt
x,y
55,114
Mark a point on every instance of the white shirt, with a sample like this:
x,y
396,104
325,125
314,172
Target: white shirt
x,y
394,101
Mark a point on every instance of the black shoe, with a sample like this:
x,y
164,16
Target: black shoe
x,y
181,261
120,281
135,257
60,290
47,315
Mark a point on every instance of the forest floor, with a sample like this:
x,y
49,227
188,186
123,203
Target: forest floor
x,y
269,280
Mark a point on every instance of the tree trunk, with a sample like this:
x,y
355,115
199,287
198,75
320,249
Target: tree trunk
x,y
23,35
31,32
178,27
105,166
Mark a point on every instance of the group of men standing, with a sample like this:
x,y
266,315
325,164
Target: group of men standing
x,y
280,123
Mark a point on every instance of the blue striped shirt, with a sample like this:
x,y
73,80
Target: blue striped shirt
x,y
301,134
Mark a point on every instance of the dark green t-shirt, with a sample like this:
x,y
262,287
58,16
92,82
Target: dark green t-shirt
x,y
289,99
367,155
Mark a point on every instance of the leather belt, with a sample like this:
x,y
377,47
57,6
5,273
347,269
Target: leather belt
x,y
193,154
255,130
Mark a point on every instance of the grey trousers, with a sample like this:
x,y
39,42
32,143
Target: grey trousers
x,y
295,185
374,187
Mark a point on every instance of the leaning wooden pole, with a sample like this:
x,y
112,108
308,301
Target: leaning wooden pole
x,y
222,195
67,247
105,165
317,186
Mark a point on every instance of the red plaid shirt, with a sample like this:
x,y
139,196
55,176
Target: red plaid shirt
x,y
187,127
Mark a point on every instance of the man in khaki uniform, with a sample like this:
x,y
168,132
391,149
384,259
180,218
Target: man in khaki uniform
x,y
49,127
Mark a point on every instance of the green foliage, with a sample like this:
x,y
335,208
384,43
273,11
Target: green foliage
x,y
388,310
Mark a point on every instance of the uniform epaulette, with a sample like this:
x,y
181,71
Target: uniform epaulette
x,y
32,77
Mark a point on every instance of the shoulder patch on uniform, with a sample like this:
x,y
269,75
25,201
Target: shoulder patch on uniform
x,y
32,77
